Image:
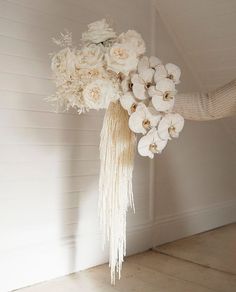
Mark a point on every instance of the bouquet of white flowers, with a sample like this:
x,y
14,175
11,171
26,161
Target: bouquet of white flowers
x,y
111,72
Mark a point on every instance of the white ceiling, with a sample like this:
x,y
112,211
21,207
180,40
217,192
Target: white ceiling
x,y
205,33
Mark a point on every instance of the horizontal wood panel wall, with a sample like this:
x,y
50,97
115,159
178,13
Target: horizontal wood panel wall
x,y
49,163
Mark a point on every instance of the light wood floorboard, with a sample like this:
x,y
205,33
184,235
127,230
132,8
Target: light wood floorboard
x,y
201,263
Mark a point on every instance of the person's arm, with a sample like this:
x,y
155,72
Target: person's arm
x,y
217,104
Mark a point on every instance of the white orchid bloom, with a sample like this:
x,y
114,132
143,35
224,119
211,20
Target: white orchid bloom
x,y
126,84
144,79
170,71
142,120
128,102
141,83
151,144
147,63
163,95
170,126
153,111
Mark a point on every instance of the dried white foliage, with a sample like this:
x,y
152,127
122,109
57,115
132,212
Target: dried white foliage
x,y
64,40
117,148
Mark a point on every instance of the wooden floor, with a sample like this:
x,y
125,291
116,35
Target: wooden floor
x,y
201,263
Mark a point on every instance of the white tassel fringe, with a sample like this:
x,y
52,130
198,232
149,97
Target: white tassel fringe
x,y
117,147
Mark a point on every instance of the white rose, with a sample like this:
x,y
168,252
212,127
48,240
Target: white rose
x,y
99,93
90,56
86,75
135,40
64,62
121,59
98,31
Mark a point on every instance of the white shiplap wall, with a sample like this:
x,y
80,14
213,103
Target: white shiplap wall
x,y
49,163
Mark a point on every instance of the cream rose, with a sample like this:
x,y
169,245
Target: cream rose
x,y
98,31
99,93
64,62
121,59
90,56
134,39
86,75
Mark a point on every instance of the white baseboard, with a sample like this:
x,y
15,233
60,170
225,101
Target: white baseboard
x,y
176,226
45,261
37,263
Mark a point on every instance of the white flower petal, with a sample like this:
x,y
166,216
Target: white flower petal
x,y
143,64
144,146
99,93
163,129
170,126
154,120
151,143
135,40
142,120
90,56
154,112
160,73
142,109
137,79
136,123
128,102
152,90
154,61
178,122
139,91
147,75
162,105
64,62
165,85
153,116
125,85
160,143
121,59
98,31
174,72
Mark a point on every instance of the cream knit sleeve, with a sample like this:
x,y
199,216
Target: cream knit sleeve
x,y
216,104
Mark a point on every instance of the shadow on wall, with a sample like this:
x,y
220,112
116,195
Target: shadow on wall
x,y
52,158
79,220
70,168
69,154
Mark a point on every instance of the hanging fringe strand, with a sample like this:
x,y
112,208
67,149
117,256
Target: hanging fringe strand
x,y
117,148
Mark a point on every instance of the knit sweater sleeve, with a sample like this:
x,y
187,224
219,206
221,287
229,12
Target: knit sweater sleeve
x,y
216,104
